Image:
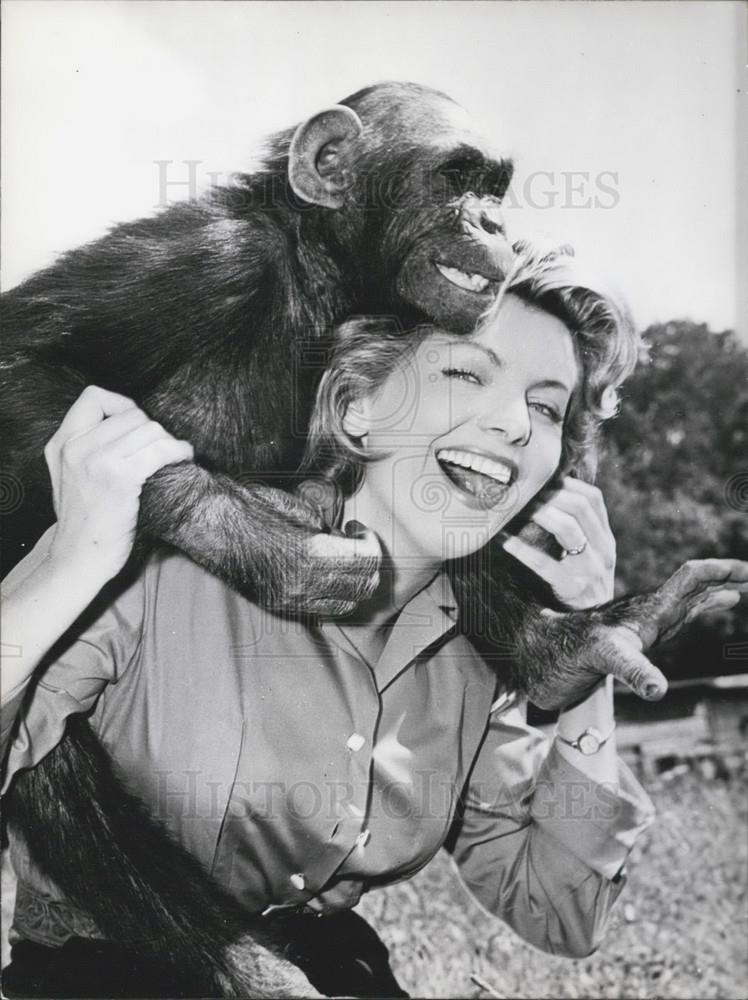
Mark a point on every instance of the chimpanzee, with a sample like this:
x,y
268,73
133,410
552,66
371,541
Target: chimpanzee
x,y
214,316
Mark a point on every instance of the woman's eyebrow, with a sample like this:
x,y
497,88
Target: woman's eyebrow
x,y
491,355
546,383
552,383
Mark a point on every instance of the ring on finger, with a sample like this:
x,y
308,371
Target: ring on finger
x,y
574,552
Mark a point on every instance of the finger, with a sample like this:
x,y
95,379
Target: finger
x,y
331,546
105,433
90,408
719,600
564,528
593,494
134,440
582,510
156,455
546,567
624,661
691,608
698,575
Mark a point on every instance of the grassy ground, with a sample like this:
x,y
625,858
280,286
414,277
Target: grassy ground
x,y
679,931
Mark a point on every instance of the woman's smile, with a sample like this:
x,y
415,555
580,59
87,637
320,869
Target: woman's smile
x,y
484,478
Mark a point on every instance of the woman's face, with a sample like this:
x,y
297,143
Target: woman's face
x,y
471,429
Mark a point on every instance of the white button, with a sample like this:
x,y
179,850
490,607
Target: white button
x,y
355,741
363,838
298,881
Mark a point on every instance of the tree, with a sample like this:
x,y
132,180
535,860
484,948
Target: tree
x,y
675,476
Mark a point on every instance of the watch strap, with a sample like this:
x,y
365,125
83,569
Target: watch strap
x,y
589,741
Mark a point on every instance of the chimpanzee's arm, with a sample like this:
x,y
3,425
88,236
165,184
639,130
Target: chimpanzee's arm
x,y
264,542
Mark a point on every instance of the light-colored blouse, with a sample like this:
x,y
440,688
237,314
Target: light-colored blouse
x,y
300,777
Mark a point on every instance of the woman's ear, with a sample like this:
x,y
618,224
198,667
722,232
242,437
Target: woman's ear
x,y
356,421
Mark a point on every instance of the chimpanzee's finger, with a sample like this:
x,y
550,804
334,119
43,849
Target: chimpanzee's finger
x,y
665,625
623,660
671,603
718,600
363,545
698,574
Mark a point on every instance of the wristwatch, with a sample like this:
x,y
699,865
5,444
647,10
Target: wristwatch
x,y
589,741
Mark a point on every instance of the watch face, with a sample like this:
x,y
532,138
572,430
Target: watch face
x,y
589,741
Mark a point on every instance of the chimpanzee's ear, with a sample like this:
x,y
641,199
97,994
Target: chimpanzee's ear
x,y
322,156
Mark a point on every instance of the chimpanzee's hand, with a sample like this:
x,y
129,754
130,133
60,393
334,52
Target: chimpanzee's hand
x,y
342,570
275,548
321,570
610,640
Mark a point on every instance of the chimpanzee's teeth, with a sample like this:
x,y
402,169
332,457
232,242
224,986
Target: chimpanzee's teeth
x,y
478,463
469,281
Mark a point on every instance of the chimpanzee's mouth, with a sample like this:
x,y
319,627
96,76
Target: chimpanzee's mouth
x,y
469,281
485,478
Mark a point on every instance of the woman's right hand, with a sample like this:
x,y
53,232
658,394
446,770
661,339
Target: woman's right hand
x,y
98,459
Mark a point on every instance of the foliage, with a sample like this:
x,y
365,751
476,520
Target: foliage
x,y
675,476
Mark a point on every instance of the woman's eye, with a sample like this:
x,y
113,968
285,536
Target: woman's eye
x,y
463,373
549,411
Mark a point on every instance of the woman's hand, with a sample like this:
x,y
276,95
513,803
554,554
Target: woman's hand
x,y
98,459
577,518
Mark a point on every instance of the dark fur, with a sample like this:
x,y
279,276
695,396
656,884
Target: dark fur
x,y
141,887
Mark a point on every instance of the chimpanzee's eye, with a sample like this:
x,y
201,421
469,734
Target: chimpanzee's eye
x,y
477,174
458,178
462,171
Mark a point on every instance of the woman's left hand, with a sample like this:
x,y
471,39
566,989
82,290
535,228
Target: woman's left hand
x,y
577,518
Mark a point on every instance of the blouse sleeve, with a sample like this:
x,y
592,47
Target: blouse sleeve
x,y
72,677
539,843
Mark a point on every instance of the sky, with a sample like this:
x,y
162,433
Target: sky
x,y
623,119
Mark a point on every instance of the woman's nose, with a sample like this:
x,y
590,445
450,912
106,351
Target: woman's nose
x,y
511,418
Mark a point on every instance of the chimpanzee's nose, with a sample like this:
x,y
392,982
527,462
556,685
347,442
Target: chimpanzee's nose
x,y
483,213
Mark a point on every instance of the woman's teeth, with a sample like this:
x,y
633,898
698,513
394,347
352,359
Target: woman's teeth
x,y
497,471
483,478
463,279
